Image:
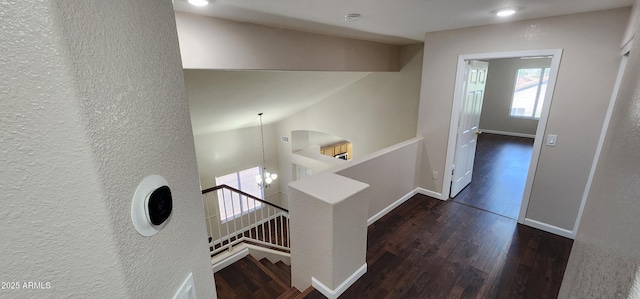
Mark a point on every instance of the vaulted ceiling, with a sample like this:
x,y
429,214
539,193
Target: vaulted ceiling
x,y
225,100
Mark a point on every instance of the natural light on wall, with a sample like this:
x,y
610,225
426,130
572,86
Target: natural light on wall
x,y
529,92
230,203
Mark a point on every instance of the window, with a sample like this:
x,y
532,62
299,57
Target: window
x,y
230,203
528,93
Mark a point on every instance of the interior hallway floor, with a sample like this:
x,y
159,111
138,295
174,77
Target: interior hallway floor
x,y
428,248
499,174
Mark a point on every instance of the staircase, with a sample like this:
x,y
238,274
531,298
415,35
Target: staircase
x,y
250,278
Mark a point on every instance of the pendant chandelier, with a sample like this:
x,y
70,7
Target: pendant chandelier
x,y
264,180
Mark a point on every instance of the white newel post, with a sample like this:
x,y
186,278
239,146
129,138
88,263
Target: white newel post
x,y
328,232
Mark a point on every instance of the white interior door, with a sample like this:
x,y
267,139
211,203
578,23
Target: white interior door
x,y
468,127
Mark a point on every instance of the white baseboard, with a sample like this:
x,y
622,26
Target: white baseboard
x,y
219,263
225,259
333,294
392,206
400,201
508,133
550,228
273,256
430,193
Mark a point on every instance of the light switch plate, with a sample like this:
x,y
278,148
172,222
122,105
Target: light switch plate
x,y
552,140
187,290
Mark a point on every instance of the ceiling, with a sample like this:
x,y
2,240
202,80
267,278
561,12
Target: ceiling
x,y
226,100
388,21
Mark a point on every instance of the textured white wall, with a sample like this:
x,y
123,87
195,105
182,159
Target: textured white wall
x,y
587,72
501,78
54,223
210,43
96,102
605,258
126,63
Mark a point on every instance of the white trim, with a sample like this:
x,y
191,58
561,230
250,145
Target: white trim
x,y
430,193
508,133
453,127
603,133
542,125
225,259
333,294
400,201
549,228
221,263
392,206
273,256
627,47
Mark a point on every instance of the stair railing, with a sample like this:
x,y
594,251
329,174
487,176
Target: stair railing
x,y
234,217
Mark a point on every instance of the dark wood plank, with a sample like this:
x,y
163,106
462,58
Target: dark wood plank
x,y
283,274
247,278
428,248
499,174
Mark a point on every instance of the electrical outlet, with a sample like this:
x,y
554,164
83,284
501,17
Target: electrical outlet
x,y
434,175
187,290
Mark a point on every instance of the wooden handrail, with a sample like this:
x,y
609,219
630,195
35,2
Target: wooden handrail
x,y
216,188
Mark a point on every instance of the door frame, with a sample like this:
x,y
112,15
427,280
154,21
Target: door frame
x,y
556,55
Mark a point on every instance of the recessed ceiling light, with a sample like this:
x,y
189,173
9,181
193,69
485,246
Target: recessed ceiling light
x,y
352,17
506,12
198,2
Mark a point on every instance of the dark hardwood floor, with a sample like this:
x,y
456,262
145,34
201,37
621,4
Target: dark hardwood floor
x,y
249,278
428,248
499,174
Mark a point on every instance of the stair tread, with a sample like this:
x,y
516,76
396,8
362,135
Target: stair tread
x,y
310,290
250,279
270,273
290,294
284,274
284,266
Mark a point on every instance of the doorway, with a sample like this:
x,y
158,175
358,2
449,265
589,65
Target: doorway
x,y
460,116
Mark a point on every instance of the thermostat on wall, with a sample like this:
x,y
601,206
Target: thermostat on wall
x,y
151,206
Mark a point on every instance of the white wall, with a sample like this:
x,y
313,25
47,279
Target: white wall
x,y
605,257
210,43
501,79
329,224
391,173
53,230
92,103
328,230
587,72
226,152
322,139
377,111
